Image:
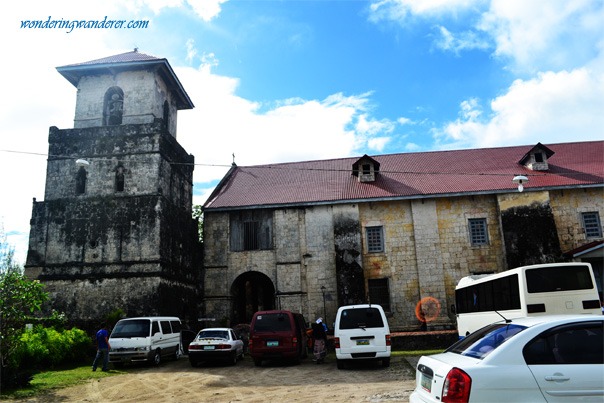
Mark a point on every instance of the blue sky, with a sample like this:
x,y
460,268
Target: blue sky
x,y
277,81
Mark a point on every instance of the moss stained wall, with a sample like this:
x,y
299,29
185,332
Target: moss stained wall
x,y
529,229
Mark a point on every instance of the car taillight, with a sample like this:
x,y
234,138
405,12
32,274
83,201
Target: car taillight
x,y
457,387
250,343
194,347
388,342
223,347
294,340
336,342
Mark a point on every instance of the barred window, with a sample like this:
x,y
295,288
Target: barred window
x,y
251,230
379,293
478,231
591,224
250,235
375,239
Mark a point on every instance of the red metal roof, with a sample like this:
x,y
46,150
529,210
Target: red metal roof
x,y
407,176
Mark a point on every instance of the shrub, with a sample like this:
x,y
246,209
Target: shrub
x,y
43,348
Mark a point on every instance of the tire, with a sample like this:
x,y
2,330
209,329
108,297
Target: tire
x,y
233,358
386,362
176,355
340,364
157,357
257,362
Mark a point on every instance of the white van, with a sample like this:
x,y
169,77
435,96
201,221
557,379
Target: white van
x,y
146,339
362,333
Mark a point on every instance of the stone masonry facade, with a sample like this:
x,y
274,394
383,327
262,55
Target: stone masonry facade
x,y
427,249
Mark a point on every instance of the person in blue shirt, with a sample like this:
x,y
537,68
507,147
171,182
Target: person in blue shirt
x,y
102,348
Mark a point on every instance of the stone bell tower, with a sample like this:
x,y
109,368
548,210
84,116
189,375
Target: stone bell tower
x,y
115,229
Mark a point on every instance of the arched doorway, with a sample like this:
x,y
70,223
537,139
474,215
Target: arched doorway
x,y
252,292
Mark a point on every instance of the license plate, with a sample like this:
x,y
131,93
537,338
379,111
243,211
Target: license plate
x,y
208,347
272,343
362,342
426,382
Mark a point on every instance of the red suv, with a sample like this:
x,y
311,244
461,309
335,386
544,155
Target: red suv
x,y
277,335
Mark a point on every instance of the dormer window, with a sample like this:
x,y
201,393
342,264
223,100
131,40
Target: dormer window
x,y
366,169
536,158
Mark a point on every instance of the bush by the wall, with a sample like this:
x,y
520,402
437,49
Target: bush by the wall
x,y
45,348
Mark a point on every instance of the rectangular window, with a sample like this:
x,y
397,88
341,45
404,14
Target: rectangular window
x,y
251,230
375,239
478,231
379,292
591,223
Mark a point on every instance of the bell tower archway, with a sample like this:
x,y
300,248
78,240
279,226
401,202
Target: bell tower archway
x,y
252,291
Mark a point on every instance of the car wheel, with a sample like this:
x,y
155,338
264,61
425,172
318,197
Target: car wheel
x,y
257,362
386,362
176,354
157,357
340,364
233,358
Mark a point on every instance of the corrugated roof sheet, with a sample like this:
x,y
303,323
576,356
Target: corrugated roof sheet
x,y
408,175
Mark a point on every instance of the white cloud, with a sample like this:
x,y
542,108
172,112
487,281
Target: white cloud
x,y
398,10
224,123
545,35
457,43
206,9
550,108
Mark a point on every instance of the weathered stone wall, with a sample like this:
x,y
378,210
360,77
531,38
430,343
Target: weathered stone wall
x,y
567,206
320,261
138,245
144,96
152,161
529,229
427,249
397,263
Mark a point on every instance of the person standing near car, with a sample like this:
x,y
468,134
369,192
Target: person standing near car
x,y
102,348
320,339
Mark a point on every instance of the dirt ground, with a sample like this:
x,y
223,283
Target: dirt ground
x,y
177,381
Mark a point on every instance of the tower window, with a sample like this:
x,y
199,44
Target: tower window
x,y
81,181
119,179
113,107
166,115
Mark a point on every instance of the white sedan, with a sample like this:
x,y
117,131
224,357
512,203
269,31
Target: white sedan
x,y
534,359
218,343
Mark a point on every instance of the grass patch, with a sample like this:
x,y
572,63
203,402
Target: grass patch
x,y
46,381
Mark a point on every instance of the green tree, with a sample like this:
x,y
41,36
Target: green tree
x,y
198,215
20,298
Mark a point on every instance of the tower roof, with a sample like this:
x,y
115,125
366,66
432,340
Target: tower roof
x,y
133,60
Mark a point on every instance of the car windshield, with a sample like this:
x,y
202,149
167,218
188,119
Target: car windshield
x,y
360,318
273,322
213,334
486,340
131,328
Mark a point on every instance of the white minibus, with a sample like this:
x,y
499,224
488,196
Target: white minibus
x,y
543,289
